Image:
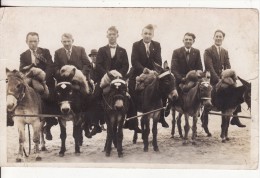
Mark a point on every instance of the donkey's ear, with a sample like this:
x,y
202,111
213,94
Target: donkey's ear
x,y
245,83
7,70
165,65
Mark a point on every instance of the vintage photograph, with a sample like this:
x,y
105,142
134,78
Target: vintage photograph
x,y
129,87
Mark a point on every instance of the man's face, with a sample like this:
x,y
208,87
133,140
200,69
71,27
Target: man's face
x,y
93,58
147,35
218,38
67,42
188,41
112,36
32,42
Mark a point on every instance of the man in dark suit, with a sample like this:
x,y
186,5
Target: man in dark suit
x,y
109,57
41,58
146,53
71,55
185,59
216,60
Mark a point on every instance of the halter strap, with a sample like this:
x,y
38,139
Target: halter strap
x,y
164,74
66,83
205,98
118,80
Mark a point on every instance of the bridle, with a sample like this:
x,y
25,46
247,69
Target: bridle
x,y
207,84
168,72
63,85
20,96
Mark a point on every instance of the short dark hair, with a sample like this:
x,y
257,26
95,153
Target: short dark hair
x,y
112,28
190,34
149,27
220,32
32,34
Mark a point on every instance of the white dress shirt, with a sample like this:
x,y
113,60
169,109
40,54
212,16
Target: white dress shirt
x,y
218,49
68,52
112,50
33,56
147,48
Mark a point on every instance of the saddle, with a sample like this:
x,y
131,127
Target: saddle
x,y
190,80
146,78
228,79
36,80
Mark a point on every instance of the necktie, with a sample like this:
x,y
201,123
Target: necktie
x,y
68,54
187,56
147,50
36,57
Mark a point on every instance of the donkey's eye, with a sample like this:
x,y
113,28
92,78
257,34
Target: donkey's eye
x,y
58,93
70,93
18,86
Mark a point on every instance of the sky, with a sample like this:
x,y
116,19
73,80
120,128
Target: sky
x,y
89,25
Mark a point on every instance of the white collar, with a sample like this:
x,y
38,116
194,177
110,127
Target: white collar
x,y
115,45
217,46
32,50
187,50
70,50
146,43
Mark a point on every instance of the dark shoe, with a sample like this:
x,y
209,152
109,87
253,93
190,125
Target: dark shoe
x,y
164,123
47,132
95,130
236,121
87,133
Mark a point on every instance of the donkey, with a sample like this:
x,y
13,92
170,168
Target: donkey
x,y
189,104
228,101
115,103
151,99
72,104
22,99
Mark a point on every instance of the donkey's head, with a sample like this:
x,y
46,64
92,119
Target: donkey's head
x,y
166,81
15,89
205,89
247,93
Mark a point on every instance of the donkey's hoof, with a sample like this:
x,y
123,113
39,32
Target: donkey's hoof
x,y
181,136
227,139
120,155
194,143
156,149
61,154
185,142
134,141
107,154
172,136
77,153
38,158
145,149
18,160
209,135
223,141
44,148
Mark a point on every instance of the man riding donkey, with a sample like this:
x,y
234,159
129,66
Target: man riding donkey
x,y
37,65
146,54
109,57
216,61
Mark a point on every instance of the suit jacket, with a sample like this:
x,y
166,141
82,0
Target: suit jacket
x,y
140,60
47,67
216,64
78,59
179,65
104,61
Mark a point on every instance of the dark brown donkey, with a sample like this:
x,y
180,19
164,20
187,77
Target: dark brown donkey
x,y
115,103
189,104
151,99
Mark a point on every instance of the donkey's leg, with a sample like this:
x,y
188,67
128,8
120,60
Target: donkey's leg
x,y
205,120
42,139
155,131
108,146
186,129
194,129
223,128
115,132
120,121
179,125
36,138
63,136
146,131
226,132
173,123
76,136
21,133
135,137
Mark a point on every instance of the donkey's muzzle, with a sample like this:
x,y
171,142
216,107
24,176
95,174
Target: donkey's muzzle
x,y
173,95
207,104
119,104
11,102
